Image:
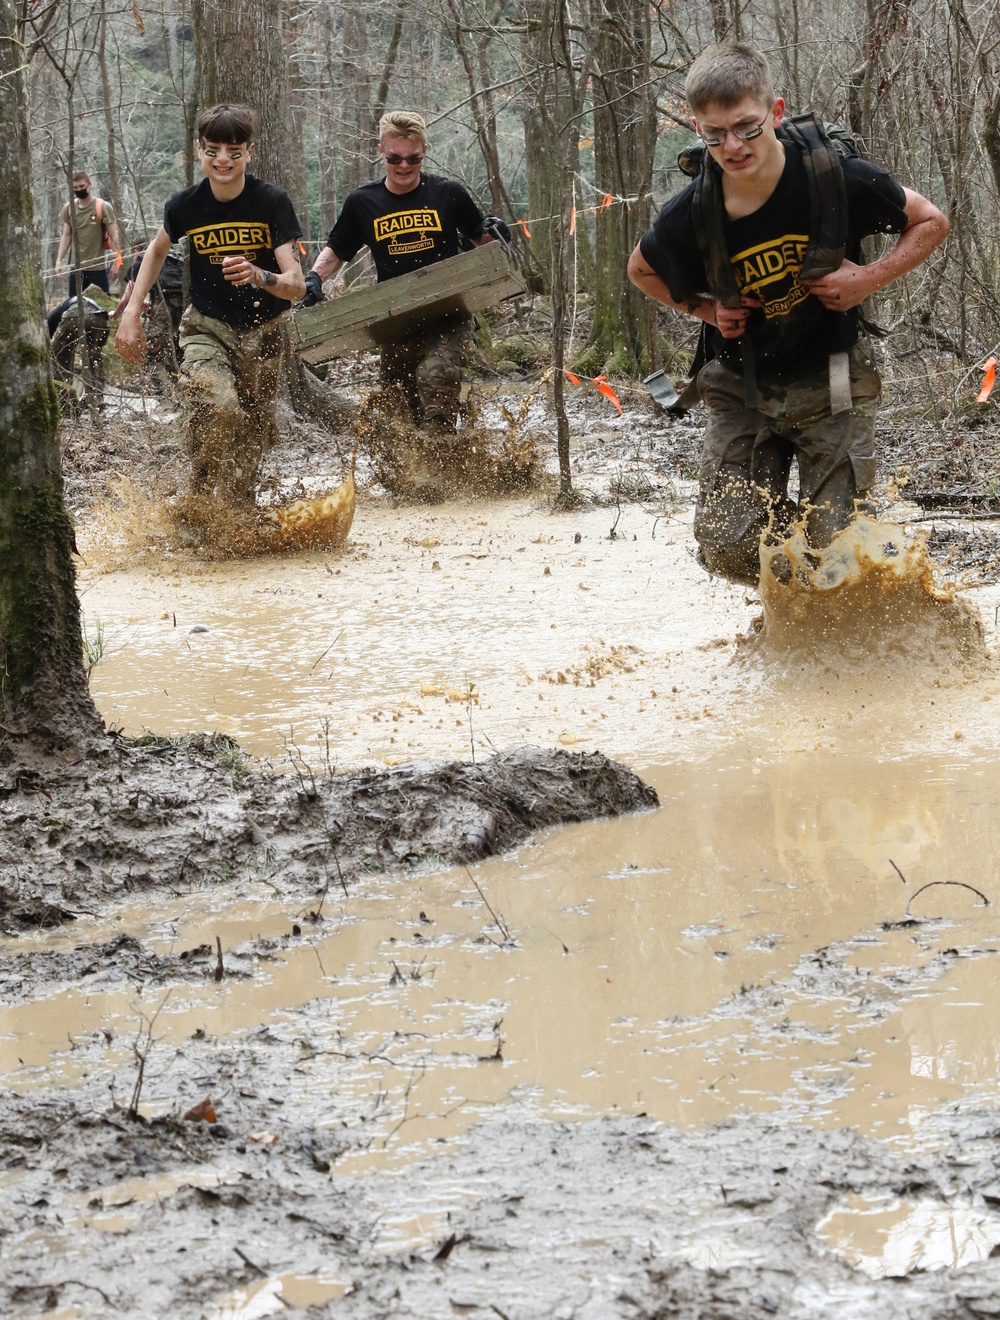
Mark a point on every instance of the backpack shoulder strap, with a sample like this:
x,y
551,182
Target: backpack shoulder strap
x,y
827,194
707,211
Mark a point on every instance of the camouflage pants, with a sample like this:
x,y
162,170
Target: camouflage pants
x,y
747,457
230,380
427,367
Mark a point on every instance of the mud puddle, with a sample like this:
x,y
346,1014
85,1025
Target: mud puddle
x,y
758,954
448,631
749,947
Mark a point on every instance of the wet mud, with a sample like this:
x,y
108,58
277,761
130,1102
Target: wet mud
x,y
734,1056
158,816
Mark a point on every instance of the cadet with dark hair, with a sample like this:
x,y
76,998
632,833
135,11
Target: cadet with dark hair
x,y
244,273
778,282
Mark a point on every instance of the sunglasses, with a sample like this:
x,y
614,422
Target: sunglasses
x,y
391,158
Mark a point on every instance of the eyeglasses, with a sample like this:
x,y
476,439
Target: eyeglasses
x,y
391,158
741,133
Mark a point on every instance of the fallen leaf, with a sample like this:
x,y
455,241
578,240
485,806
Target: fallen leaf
x,y
202,1112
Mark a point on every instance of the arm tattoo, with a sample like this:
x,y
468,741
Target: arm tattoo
x,y
269,278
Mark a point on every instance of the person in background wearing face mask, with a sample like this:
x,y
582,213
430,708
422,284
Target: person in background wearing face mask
x,y
94,220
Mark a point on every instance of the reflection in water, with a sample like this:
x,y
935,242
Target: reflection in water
x,y
891,1240
724,954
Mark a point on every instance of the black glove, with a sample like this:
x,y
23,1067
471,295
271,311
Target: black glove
x,y
314,290
494,225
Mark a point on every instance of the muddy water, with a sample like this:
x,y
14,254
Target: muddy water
x,y
664,964
742,949
491,625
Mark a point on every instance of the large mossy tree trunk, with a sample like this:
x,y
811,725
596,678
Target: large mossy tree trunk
x,y
622,337
45,704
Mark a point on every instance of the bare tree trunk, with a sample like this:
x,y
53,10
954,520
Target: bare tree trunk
x,y
624,142
241,58
44,700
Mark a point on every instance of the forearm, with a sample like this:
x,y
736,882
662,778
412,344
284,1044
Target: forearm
x,y
327,264
289,284
646,279
915,245
152,264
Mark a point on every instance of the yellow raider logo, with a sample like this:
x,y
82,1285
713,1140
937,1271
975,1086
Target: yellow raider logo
x,y
770,273
388,227
218,241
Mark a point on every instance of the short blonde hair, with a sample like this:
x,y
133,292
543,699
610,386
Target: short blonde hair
x,y
404,124
726,73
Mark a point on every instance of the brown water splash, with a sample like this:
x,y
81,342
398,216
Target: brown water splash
x,y
215,529
870,597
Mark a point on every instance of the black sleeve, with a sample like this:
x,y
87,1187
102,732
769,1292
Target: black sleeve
x,y
670,248
347,238
876,202
285,227
172,221
468,217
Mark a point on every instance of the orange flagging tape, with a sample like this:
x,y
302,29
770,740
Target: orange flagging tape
x,y
989,379
602,384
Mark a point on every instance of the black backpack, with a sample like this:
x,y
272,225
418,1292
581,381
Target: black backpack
x,y
171,280
823,147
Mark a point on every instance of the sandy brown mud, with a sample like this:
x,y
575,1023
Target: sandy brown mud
x,y
159,817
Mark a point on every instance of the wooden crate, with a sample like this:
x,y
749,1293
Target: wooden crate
x,y
365,319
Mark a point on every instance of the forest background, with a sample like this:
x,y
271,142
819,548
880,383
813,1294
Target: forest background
x,y
563,115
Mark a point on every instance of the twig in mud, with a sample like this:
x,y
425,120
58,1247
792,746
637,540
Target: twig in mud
x,y
498,921
471,687
898,872
251,1263
418,1068
301,767
141,1050
220,970
556,937
497,1055
328,650
79,1283
960,883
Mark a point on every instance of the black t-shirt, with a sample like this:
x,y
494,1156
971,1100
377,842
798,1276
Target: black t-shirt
x,y
253,224
405,232
792,328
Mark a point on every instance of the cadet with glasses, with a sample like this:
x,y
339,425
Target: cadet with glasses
x,y
244,273
786,377
408,220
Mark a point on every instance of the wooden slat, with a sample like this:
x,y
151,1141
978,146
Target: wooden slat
x,y
364,319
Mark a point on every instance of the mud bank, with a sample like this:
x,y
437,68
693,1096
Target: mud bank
x,y
160,817
613,1219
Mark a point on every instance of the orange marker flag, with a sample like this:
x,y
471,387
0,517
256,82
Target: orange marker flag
x,y
606,201
118,263
569,376
572,222
602,384
302,247
524,226
989,379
